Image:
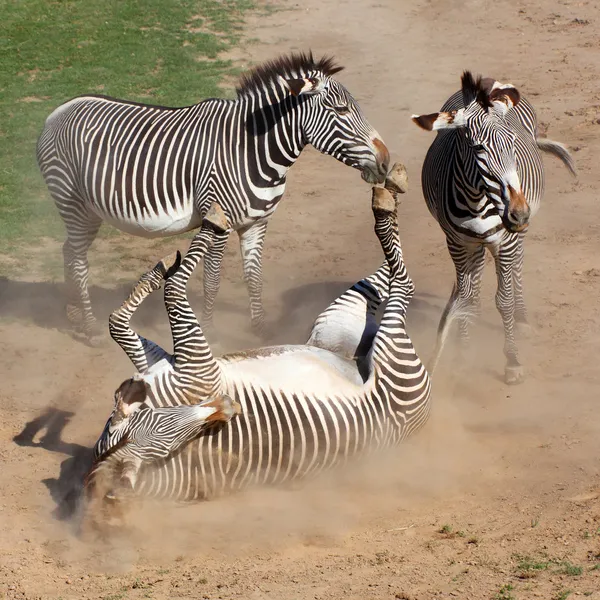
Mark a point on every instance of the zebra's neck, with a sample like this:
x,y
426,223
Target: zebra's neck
x,y
272,133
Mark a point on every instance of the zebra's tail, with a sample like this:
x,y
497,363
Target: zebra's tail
x,y
560,151
454,309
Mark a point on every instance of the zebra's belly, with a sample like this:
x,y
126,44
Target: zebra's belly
x,y
155,225
294,370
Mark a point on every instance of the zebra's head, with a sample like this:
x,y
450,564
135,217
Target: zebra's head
x,y
150,433
488,143
326,114
130,398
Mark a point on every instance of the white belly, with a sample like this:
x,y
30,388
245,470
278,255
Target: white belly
x,y
155,226
294,369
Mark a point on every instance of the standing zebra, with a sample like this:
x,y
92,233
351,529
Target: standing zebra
x,y
302,408
483,180
153,171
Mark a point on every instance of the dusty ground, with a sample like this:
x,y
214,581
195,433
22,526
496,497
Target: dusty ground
x,y
498,497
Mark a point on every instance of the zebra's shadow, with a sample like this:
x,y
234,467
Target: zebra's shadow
x,y
43,304
65,489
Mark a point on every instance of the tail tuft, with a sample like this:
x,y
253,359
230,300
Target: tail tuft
x,y
560,151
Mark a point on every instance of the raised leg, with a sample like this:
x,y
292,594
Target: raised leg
x,y
252,240
348,325
399,374
193,360
142,352
505,257
212,279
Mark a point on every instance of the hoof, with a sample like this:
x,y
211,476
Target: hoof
x,y
524,330
168,266
514,375
217,218
94,339
397,179
261,330
97,340
383,201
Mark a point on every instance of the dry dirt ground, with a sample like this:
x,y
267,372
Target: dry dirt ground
x,y
498,496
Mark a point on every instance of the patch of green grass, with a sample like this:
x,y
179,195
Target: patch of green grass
x,y
562,595
528,566
504,593
157,51
566,568
446,529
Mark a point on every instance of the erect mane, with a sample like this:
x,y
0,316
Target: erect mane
x,y
295,65
476,89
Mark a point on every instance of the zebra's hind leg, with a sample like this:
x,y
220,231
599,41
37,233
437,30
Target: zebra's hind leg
x,y
252,241
213,262
505,257
142,352
82,227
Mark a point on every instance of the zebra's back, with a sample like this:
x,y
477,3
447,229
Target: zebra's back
x,y
143,168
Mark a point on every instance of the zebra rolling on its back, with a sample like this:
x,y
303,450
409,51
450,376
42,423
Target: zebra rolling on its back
x,y
153,171
483,179
302,408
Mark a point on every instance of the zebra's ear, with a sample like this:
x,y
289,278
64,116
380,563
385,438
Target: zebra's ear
x,y
310,85
504,97
440,120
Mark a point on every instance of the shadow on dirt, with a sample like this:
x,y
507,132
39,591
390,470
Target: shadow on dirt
x,y
66,489
43,304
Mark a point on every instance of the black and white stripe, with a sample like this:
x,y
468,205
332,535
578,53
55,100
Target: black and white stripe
x,y
302,408
483,179
153,171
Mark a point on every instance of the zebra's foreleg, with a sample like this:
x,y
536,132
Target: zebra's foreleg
x,y
252,240
464,302
522,325
193,359
142,352
212,279
505,258
469,262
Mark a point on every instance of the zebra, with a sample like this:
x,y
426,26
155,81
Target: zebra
x,y
483,180
153,171
302,409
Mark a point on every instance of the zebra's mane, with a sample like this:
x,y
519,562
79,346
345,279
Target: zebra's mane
x,y
295,65
476,89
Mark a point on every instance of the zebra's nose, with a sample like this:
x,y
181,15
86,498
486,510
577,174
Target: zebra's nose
x,y
518,208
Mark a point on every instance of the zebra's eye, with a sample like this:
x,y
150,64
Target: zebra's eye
x,y
478,148
341,110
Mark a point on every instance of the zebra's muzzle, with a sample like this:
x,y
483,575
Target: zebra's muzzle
x,y
518,211
377,171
